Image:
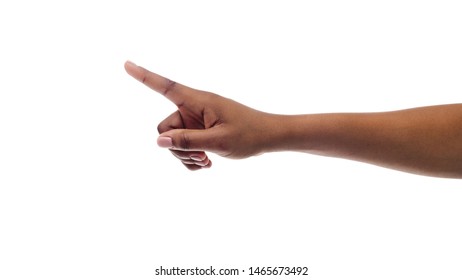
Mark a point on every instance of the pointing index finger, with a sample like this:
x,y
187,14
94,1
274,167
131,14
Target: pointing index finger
x,y
175,92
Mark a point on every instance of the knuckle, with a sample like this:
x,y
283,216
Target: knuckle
x,y
185,142
169,86
161,128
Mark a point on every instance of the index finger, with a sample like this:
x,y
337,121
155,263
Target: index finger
x,y
174,91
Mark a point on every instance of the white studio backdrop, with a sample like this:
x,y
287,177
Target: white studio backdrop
x,y
85,193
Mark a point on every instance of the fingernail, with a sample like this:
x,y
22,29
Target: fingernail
x,y
164,142
195,158
128,62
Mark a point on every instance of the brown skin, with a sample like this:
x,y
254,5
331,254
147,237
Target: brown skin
x,y
425,141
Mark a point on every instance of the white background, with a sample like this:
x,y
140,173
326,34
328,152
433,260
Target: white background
x,y
85,193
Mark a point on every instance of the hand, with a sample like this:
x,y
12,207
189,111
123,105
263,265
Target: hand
x,y
205,122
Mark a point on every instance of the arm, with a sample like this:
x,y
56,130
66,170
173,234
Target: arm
x,y
426,141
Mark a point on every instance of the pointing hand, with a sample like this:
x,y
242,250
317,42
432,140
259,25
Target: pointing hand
x,y
204,122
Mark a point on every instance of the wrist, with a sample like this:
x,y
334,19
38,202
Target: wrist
x,y
282,132
300,133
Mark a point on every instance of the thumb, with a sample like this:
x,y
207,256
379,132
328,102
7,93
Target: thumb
x,y
189,139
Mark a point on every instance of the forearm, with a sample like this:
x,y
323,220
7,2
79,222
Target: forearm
x,y
425,140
